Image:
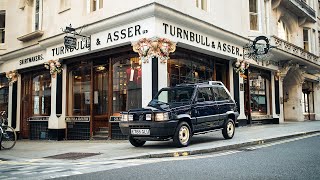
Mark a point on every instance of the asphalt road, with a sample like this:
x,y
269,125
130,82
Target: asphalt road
x,y
298,159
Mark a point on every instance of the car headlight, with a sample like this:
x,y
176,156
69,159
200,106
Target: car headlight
x,y
130,117
148,117
162,116
124,117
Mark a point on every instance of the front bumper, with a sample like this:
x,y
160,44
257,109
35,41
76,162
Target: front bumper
x,y
158,130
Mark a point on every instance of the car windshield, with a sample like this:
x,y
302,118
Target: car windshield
x,y
173,95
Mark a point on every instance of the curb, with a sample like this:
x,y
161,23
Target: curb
x,y
222,148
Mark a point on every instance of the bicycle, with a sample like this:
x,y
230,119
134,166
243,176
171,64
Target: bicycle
x,y
8,135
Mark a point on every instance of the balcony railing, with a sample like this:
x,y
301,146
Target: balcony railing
x,y
295,50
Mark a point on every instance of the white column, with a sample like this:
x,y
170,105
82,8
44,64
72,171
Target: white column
x,y
317,101
18,103
273,95
281,117
162,75
146,82
53,119
231,79
9,113
61,121
241,94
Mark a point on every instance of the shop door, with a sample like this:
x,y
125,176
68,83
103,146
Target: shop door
x,y
26,88
100,110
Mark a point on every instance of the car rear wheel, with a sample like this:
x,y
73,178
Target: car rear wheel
x,y
228,129
182,135
136,142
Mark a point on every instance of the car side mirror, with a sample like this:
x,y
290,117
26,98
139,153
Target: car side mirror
x,y
200,100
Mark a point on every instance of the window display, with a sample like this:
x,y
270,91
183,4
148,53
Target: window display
x,y
4,92
41,94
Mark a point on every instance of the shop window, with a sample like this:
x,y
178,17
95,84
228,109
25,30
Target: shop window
x,y
2,26
306,39
4,93
202,4
189,70
283,31
41,94
307,97
254,15
80,89
94,5
259,81
127,93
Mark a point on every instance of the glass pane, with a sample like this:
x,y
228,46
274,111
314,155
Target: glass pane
x,y
100,4
81,89
2,20
127,93
41,94
4,93
253,22
204,5
258,93
253,6
100,95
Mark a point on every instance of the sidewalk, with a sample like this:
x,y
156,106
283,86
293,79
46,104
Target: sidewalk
x,y
116,149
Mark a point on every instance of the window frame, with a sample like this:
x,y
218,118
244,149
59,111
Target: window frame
x,y
3,29
257,14
90,5
306,42
35,14
199,4
65,5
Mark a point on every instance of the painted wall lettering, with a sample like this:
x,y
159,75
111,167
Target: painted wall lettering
x,y
200,39
31,59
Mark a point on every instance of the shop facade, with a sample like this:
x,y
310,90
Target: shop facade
x,y
104,76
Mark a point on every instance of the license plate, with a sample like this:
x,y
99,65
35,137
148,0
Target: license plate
x,y
140,131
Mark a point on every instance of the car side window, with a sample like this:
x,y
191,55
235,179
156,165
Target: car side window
x,y
223,95
205,94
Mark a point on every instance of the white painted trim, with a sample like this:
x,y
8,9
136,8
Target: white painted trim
x,y
241,97
146,82
18,103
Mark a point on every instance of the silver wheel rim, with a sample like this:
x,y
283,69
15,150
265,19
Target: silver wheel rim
x,y
230,129
184,134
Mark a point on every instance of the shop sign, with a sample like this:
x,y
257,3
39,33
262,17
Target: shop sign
x,y
123,34
31,59
60,51
115,119
39,118
70,42
199,39
77,119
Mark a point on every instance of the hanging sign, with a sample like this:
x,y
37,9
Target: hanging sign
x,y
70,42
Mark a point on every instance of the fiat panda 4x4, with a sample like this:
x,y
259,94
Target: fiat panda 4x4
x,y
180,112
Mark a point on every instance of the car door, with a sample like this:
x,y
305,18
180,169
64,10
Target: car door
x,y
224,102
205,107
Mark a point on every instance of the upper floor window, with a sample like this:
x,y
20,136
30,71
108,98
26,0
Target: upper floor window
x,y
202,4
283,31
306,39
64,4
254,14
93,5
37,15
2,26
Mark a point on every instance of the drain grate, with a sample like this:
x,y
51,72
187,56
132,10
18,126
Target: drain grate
x,y
72,155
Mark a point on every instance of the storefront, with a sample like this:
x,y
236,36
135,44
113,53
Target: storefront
x,y
308,100
4,93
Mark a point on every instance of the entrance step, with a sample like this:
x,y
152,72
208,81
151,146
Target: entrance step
x,y
102,134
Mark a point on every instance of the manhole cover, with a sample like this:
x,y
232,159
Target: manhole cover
x,y
72,155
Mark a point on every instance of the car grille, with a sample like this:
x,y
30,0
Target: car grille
x,y
139,126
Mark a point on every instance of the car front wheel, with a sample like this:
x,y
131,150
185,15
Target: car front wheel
x,y
228,129
182,135
136,142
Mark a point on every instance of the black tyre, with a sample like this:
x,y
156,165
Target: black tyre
x,y
182,136
136,142
228,129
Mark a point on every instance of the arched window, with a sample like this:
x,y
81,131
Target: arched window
x,y
283,31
